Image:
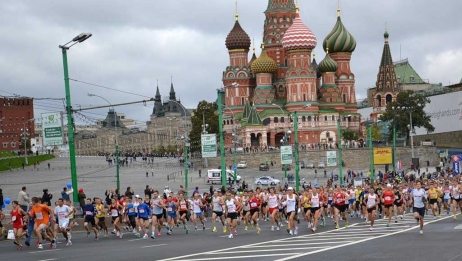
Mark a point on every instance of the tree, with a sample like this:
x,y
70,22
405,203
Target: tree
x,y
171,148
349,135
377,132
205,111
407,102
160,149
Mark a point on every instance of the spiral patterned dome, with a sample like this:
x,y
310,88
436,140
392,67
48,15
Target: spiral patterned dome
x,y
237,38
339,39
263,64
299,36
328,64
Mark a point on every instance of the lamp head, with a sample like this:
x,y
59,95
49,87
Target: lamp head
x,y
90,94
289,132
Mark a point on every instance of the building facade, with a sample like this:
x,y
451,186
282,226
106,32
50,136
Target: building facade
x,y
16,119
262,93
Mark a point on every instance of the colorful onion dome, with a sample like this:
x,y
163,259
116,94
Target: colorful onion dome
x,y
237,38
339,39
254,57
264,63
298,36
327,64
315,66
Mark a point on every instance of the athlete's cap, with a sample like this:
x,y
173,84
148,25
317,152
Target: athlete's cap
x,y
389,186
290,188
137,196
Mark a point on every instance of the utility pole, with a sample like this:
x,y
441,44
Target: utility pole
x,y
25,135
371,154
235,140
204,131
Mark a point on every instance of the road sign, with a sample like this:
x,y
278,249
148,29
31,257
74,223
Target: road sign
x,y
286,154
234,168
209,145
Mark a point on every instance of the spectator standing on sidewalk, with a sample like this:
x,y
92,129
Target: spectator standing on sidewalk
x,y
46,198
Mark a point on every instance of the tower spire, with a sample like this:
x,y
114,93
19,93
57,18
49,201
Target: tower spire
x,y
236,15
172,90
338,8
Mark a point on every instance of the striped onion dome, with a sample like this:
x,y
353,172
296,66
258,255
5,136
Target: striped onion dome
x,y
299,36
327,64
339,39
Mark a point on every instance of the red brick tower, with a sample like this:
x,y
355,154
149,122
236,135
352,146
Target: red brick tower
x,y
238,44
341,45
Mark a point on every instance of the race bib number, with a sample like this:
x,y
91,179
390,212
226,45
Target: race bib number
x,y
396,197
387,198
62,215
141,210
114,213
13,218
169,209
38,215
339,200
253,204
89,213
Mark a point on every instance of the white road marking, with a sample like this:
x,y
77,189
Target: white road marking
x,y
458,227
154,245
236,257
41,251
264,250
136,239
51,259
356,242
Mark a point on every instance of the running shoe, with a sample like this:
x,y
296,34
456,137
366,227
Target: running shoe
x,y
272,228
146,236
121,234
230,236
69,236
313,229
245,228
153,236
421,232
346,225
159,234
69,243
258,230
88,233
203,228
371,228
235,233
388,224
214,229
323,221
277,228
96,238
40,246
27,243
337,226
224,229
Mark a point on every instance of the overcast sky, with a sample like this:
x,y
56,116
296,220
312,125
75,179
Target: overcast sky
x,y
136,43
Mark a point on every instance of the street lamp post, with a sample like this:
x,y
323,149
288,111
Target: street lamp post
x,y
297,163
235,141
285,141
393,155
186,145
204,131
116,140
70,123
411,128
371,151
220,92
339,149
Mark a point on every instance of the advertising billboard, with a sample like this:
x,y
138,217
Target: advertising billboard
x,y
383,156
331,158
52,131
286,154
209,145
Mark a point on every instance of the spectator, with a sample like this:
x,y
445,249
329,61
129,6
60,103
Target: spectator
x,y
1,199
23,199
65,194
181,190
196,191
148,191
46,198
81,197
129,192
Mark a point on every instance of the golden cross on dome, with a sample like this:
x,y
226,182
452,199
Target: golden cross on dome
x,y
236,15
338,8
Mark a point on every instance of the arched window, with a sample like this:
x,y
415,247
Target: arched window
x,y
379,101
325,118
309,118
266,121
333,118
388,98
282,119
303,118
276,119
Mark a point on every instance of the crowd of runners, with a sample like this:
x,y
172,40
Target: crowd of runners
x,y
231,211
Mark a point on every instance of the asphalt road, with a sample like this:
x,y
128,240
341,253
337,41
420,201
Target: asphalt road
x,y
401,241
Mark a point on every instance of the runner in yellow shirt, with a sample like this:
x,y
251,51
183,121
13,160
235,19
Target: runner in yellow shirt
x,y
433,194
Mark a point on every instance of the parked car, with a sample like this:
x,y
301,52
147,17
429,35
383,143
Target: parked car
x,y
241,165
265,180
302,164
321,165
263,166
286,167
310,165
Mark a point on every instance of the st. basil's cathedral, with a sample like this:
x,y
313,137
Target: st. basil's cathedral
x,y
262,94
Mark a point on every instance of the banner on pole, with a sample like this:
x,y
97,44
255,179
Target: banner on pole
x,y
286,154
456,168
209,145
331,158
52,130
383,156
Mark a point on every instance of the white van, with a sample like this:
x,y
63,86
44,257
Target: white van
x,y
214,175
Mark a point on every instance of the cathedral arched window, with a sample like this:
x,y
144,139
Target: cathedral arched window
x,y
303,118
389,98
309,118
276,120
